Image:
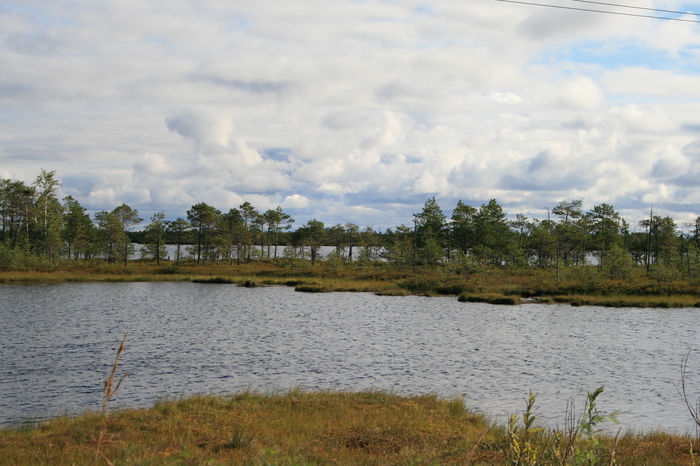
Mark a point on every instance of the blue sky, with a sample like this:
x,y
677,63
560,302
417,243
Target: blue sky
x,y
352,111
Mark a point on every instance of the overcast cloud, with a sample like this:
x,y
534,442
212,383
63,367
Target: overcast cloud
x,y
350,110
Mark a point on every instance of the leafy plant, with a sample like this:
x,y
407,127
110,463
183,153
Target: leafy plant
x,y
523,448
577,444
591,450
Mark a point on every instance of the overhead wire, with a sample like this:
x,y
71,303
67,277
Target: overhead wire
x,y
619,13
637,7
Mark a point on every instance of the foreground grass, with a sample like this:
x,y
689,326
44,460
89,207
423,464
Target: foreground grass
x,y
584,285
365,428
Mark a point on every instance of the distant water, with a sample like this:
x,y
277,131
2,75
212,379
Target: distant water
x,y
58,343
185,249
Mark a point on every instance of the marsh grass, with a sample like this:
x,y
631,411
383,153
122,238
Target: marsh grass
x,y
323,427
675,301
579,286
250,428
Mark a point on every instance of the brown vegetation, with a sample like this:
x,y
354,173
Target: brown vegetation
x,y
310,428
579,286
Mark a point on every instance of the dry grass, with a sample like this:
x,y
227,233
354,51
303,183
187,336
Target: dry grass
x,y
656,449
248,428
365,428
620,300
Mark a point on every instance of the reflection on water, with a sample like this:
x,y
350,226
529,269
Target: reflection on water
x,y
59,341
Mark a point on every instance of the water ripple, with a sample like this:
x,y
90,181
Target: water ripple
x,y
59,341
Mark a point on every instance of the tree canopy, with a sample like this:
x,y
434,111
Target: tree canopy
x,y
36,226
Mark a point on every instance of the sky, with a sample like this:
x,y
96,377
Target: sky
x,y
350,110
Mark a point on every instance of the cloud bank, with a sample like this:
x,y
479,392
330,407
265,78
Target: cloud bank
x,y
355,111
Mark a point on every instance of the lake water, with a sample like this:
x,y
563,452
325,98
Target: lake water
x,y
189,251
58,343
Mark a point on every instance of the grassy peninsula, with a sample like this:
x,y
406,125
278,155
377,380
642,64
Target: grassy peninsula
x,y
318,428
576,285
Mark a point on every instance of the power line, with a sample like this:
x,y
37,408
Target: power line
x,y
638,7
619,13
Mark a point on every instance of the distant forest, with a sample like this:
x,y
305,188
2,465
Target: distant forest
x,y
38,228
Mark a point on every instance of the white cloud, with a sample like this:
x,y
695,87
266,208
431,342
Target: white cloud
x,y
504,97
651,83
354,107
296,201
103,196
152,164
676,36
670,163
581,93
203,127
660,194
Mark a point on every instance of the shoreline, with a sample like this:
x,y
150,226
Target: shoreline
x,y
491,285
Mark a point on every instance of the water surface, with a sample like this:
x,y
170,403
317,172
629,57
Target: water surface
x,y
59,341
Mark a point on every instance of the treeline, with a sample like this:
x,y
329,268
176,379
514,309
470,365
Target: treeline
x,y
568,237
37,227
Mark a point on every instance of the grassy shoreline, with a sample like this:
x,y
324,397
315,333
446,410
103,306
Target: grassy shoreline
x,y
578,286
327,427
316,428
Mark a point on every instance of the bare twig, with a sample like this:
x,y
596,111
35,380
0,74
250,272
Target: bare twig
x,y
107,393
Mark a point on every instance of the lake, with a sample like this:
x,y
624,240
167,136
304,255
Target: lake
x,y
59,341
190,251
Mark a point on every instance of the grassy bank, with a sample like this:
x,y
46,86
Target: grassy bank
x,y
316,428
575,285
